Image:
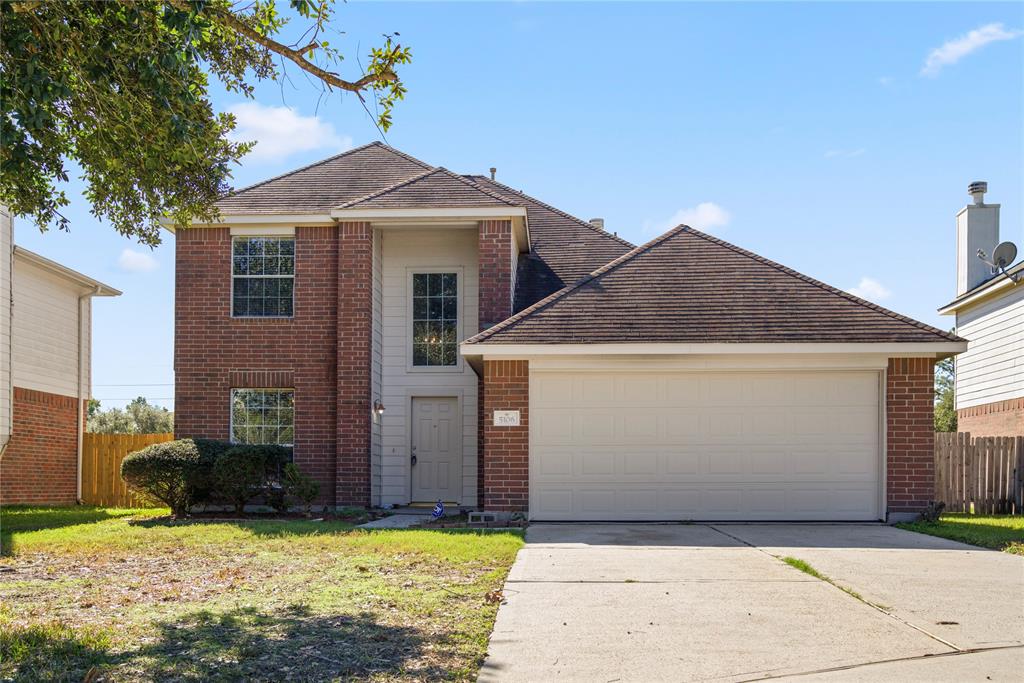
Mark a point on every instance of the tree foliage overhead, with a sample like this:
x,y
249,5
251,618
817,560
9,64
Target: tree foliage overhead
x,y
121,90
945,394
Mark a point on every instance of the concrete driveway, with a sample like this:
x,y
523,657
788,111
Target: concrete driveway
x,y
650,602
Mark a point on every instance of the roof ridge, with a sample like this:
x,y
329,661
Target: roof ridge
x,y
375,143
827,287
558,211
429,172
568,289
388,188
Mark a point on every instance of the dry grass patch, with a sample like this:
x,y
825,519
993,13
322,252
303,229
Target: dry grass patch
x,y
132,597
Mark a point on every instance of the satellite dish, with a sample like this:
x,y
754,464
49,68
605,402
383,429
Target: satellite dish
x,y
1004,255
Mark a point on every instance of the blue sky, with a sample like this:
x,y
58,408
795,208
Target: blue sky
x,y
837,139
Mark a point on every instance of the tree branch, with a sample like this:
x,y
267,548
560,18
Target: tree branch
x,y
294,56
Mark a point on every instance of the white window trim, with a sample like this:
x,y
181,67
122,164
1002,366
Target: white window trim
x,y
461,308
231,413
231,267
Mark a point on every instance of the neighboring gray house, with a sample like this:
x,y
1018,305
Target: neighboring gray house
x,y
989,310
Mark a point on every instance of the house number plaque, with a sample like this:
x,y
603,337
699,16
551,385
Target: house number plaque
x,y
506,418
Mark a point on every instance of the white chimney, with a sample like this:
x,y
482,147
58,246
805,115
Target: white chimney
x,y
597,223
977,227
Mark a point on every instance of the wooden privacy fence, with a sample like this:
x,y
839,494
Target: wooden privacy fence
x,y
101,467
983,475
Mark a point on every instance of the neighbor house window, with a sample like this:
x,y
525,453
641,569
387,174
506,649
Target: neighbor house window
x,y
263,277
263,416
435,319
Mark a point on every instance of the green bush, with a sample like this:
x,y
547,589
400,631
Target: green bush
x,y
186,472
169,472
239,476
300,486
243,472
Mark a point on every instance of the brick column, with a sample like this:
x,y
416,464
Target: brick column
x,y
910,438
355,324
495,253
506,450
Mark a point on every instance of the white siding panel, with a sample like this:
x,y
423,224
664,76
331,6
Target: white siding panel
x,y
45,327
375,373
402,252
992,368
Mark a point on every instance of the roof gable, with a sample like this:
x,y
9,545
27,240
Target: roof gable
x,y
319,187
437,187
688,287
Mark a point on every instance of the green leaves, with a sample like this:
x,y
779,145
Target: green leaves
x,y
120,90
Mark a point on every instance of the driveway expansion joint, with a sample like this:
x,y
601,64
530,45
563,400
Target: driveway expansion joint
x,y
855,596
848,667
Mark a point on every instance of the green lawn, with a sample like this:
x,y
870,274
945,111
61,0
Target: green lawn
x,y
1000,532
135,597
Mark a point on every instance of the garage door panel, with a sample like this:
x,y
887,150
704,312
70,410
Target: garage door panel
x,y
647,448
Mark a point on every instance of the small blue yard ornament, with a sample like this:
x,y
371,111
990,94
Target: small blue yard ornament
x,y
438,510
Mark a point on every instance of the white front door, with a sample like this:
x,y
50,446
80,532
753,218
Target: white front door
x,y
686,445
436,450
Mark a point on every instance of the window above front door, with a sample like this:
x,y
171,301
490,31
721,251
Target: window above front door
x,y
435,320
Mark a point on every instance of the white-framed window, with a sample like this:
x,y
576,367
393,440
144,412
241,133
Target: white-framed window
x,y
263,416
435,319
262,277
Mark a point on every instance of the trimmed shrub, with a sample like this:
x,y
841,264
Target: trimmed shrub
x,y
243,472
168,472
300,486
185,472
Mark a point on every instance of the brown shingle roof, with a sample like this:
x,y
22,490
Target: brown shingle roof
x,y
320,187
563,247
688,287
432,188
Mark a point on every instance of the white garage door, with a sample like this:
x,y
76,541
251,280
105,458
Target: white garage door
x,y
704,445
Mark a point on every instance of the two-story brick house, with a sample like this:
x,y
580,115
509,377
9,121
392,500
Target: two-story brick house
x,y
420,335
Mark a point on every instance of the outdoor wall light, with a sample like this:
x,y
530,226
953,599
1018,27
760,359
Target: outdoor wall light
x,y
378,407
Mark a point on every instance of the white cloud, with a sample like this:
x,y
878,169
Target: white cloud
x,y
282,131
870,289
705,216
137,261
953,51
886,80
844,153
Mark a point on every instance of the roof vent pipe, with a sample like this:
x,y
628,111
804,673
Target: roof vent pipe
x,y
597,223
494,171
977,190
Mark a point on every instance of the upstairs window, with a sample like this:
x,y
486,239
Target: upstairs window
x,y
435,319
262,277
263,416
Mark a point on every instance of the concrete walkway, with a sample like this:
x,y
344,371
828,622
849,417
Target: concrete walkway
x,y
397,520
694,602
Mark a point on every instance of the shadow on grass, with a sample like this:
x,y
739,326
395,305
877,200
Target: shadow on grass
x,y
270,528
246,644
25,518
50,652
1004,533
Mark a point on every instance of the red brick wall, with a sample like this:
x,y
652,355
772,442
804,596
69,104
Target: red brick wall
x,y
354,338
506,449
495,272
40,465
212,350
910,438
999,418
